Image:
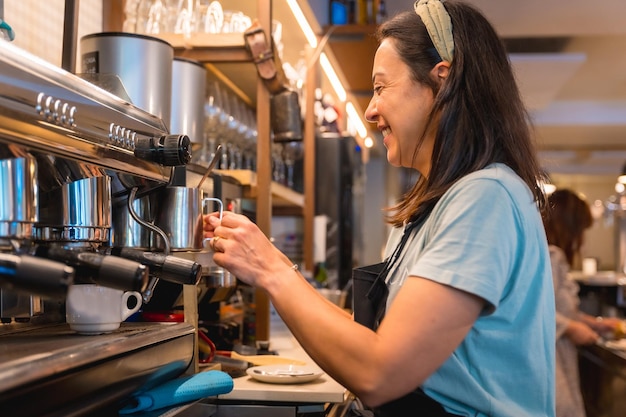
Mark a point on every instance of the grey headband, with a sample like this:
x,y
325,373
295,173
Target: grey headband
x,y
439,26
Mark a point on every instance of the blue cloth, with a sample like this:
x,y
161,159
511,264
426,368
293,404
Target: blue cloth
x,y
485,236
179,391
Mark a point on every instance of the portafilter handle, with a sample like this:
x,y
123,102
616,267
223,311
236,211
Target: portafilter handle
x,y
167,267
29,274
95,268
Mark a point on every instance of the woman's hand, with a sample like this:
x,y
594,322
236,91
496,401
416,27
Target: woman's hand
x,y
581,334
609,327
607,324
243,249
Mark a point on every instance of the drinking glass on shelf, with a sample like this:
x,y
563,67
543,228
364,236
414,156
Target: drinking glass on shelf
x,y
209,16
184,18
150,16
235,22
130,15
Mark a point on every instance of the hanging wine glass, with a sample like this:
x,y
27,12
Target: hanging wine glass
x,y
278,164
235,123
292,152
214,118
250,139
226,123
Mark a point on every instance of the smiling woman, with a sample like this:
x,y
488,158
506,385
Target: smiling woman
x,y
439,281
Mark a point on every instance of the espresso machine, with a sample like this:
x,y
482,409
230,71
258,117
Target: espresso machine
x,y
77,163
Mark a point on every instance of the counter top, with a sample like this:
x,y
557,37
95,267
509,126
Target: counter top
x,y
600,279
322,390
605,351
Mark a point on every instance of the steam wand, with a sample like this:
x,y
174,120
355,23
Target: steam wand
x,y
149,291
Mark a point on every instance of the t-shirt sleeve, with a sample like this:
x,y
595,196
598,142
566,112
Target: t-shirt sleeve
x,y
472,242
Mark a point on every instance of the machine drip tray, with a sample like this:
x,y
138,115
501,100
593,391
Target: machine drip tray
x,y
50,370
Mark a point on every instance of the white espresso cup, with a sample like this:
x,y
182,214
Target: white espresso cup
x,y
93,309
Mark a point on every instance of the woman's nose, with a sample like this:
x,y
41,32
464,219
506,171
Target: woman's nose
x,y
371,114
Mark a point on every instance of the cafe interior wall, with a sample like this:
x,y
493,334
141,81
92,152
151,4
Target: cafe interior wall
x,y
38,25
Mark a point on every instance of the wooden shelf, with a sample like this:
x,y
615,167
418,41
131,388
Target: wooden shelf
x,y
284,200
208,47
203,40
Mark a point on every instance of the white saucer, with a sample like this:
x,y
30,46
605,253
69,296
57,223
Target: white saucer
x,y
284,374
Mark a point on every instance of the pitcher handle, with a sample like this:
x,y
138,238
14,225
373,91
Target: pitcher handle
x,y
206,242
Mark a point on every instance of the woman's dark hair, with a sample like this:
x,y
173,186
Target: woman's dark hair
x,y
482,119
565,221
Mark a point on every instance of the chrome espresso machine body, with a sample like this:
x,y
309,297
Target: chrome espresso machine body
x,y
74,161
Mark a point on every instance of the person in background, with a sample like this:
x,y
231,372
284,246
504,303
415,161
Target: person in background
x,y
565,222
468,326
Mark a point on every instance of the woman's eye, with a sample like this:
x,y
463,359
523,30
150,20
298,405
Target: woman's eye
x,y
377,89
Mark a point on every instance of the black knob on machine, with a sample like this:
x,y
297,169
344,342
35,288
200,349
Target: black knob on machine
x,y
165,267
33,275
170,150
108,271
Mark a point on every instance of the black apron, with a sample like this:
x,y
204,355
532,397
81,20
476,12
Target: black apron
x,y
369,299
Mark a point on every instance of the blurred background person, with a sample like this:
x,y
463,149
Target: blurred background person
x,y
566,220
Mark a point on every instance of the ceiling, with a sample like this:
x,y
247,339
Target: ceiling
x,y
570,61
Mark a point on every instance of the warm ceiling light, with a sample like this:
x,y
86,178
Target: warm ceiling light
x,y
309,34
333,78
327,68
304,24
355,119
621,179
368,142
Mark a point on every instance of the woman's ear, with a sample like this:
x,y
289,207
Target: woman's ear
x,y
441,70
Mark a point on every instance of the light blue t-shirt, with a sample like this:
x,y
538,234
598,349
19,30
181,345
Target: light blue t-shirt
x,y
485,236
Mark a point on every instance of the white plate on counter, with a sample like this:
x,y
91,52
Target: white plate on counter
x,y
284,374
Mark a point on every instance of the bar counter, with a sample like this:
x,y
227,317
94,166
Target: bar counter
x,y
322,390
603,380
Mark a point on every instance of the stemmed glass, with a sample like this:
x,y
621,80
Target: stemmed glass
x,y
239,133
291,153
229,132
214,119
250,138
278,165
